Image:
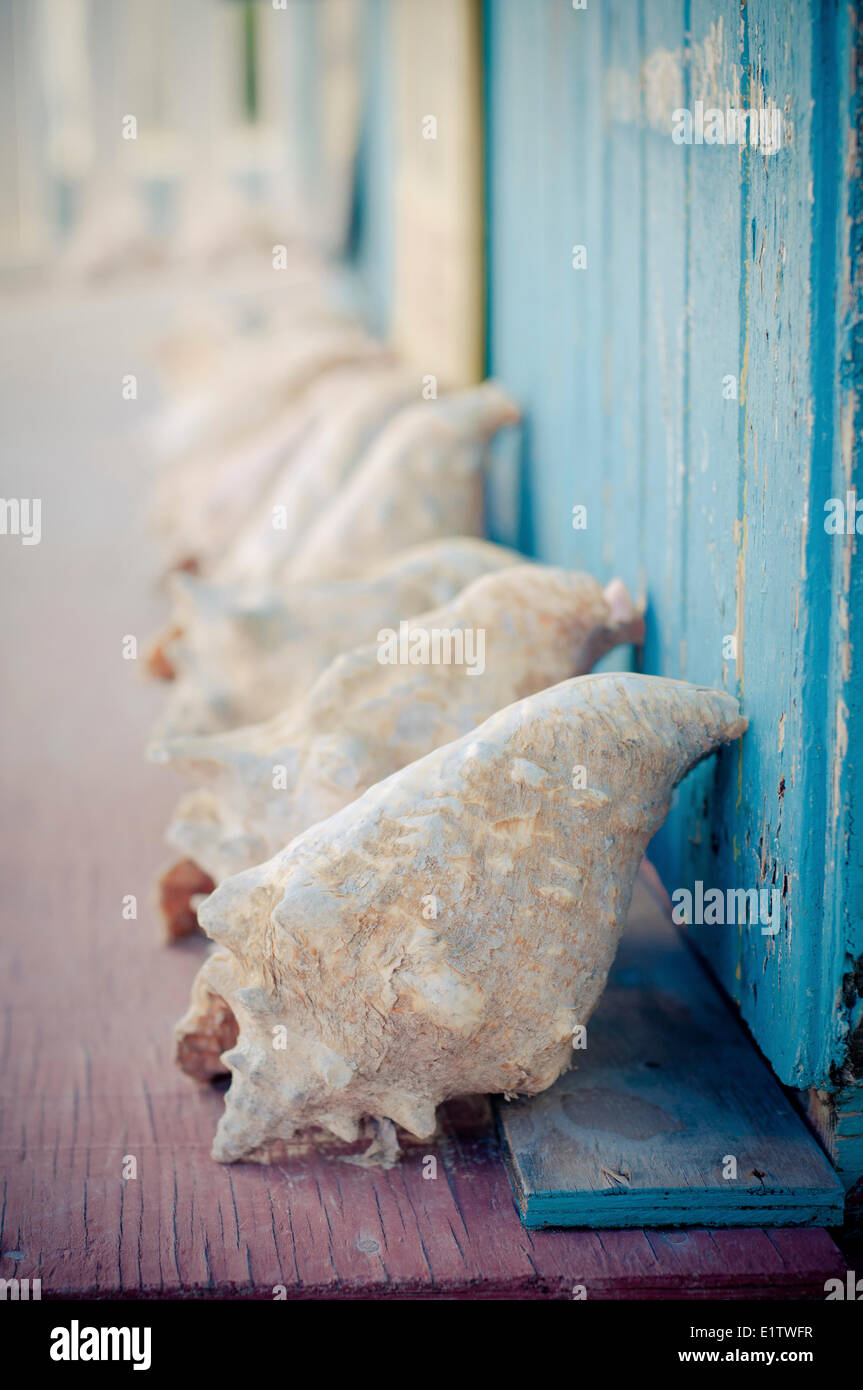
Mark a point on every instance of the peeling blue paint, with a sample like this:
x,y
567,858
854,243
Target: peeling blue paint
x,y
703,263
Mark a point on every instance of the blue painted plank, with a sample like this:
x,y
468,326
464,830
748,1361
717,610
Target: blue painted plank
x,y
775,811
749,267
711,429
669,1116
839,1116
543,74
664,343
621,268
844,874
786,446
844,850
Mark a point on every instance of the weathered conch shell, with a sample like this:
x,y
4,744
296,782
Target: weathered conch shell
x,y
353,487
444,933
301,455
347,409
260,375
238,660
202,335
421,479
522,628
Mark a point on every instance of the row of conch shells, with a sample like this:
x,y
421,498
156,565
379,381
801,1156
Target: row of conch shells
x,y
416,819
348,472
420,479
523,628
243,660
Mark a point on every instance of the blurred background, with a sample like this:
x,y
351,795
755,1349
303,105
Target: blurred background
x,y
139,133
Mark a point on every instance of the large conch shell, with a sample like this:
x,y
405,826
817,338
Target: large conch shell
x,y
250,444
205,507
421,479
351,406
257,378
446,932
239,660
529,627
203,336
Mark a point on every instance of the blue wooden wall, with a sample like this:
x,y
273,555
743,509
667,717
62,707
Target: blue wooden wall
x,y
704,263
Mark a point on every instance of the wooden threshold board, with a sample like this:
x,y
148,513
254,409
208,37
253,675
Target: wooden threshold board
x,y
668,1087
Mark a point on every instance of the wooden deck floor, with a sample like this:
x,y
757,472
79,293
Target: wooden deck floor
x,y
89,999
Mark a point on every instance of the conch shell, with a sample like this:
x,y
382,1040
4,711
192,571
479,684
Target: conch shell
x,y
354,486
446,932
301,456
261,374
239,659
362,720
345,411
203,336
421,479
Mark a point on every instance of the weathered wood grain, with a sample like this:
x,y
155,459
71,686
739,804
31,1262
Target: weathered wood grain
x,y
713,262
711,444
619,263
667,1094
839,1112
664,340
